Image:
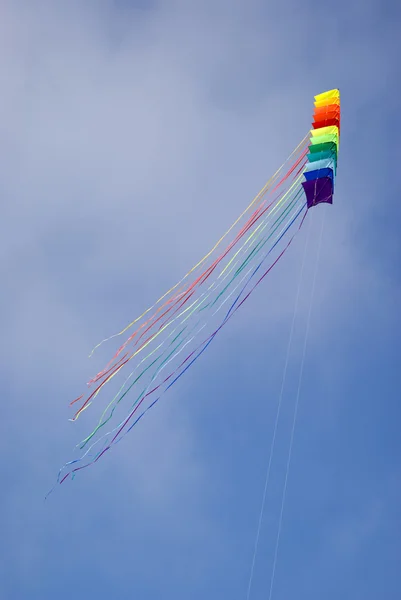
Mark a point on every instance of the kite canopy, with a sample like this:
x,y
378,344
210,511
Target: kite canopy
x,y
320,170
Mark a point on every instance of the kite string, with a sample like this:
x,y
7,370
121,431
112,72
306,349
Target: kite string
x,y
272,447
296,409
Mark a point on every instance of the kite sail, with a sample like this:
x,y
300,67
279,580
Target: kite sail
x,y
168,338
321,169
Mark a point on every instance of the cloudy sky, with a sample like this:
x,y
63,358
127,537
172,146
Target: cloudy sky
x,y
132,134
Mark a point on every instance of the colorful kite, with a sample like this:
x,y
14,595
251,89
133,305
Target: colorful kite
x,y
323,150
166,340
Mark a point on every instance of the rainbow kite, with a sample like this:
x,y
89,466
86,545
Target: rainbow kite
x,y
167,338
321,169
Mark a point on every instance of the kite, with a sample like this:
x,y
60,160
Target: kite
x,y
322,158
169,337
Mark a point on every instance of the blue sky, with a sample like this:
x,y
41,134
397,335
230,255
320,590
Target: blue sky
x,y
133,134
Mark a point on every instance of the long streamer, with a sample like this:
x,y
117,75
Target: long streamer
x,y
173,324
199,350
110,373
